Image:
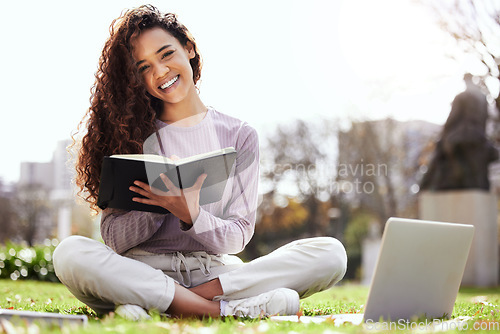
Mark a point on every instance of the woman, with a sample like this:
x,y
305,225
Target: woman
x,y
177,263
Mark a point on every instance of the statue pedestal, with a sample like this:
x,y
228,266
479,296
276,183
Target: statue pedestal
x,y
475,207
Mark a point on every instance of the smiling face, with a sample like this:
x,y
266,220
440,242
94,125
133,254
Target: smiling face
x,y
164,65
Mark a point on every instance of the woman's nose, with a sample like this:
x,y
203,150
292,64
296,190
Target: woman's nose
x,y
162,70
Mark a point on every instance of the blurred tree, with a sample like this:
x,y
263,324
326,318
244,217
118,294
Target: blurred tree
x,y
7,230
82,219
475,25
355,232
378,167
363,172
297,168
280,219
7,216
313,174
31,203
277,225
299,161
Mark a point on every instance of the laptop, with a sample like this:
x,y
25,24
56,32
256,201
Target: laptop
x,y
46,317
417,274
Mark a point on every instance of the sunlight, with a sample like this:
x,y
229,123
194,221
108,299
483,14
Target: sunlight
x,y
390,38
396,50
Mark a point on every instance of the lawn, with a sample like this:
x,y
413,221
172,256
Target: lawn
x,y
480,304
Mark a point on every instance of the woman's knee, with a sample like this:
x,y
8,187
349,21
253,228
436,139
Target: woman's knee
x,y
68,256
332,259
339,258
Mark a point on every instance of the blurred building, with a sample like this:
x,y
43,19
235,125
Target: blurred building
x,y
53,175
51,182
39,173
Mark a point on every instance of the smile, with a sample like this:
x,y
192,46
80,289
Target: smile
x,y
169,83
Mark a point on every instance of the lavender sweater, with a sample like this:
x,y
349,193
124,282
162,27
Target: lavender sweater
x,y
224,227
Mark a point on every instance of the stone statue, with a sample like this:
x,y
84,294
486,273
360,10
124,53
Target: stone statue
x,y
463,152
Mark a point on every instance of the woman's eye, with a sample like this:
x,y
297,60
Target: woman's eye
x,y
143,68
166,54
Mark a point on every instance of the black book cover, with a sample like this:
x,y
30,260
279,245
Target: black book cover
x,y
118,174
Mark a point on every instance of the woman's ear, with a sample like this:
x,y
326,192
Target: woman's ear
x,y
190,50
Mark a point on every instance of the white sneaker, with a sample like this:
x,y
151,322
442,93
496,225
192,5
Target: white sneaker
x,y
132,312
280,301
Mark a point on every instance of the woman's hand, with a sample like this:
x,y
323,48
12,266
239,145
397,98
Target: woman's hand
x,y
182,203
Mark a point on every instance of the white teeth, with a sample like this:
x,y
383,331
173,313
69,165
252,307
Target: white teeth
x,y
169,83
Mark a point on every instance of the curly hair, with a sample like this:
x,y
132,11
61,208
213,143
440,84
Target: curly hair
x,y
122,113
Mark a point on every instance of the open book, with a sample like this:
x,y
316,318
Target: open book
x,y
119,172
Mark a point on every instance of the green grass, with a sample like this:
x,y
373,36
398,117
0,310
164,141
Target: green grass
x,y
481,304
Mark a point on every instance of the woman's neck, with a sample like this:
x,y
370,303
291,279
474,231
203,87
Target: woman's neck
x,y
183,113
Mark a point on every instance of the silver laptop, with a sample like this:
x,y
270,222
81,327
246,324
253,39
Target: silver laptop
x,y
418,271
47,317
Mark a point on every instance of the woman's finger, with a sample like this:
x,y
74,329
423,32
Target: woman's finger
x,y
169,184
145,201
199,182
140,191
143,185
150,190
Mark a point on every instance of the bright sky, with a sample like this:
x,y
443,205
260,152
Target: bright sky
x,y
266,62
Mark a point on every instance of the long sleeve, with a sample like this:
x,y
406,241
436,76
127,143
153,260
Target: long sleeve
x,y
122,230
222,227
231,232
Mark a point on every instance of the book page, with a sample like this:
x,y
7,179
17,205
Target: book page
x,y
144,157
204,156
161,159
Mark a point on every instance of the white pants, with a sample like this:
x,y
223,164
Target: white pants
x,y
102,279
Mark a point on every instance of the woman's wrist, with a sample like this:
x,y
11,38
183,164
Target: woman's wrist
x,y
185,226
187,222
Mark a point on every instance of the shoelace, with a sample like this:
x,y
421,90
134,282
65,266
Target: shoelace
x,y
255,304
178,259
204,266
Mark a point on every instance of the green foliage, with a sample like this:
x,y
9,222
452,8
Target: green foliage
x,y
22,262
356,230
